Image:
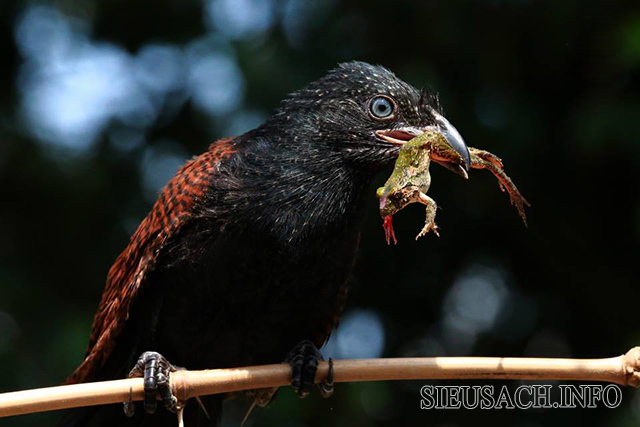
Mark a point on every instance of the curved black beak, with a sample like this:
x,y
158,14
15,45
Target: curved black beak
x,y
454,139
400,136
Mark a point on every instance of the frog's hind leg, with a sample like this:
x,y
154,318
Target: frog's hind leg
x,y
481,159
430,221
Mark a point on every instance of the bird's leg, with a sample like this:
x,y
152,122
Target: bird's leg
x,y
430,221
303,359
304,364
156,371
481,159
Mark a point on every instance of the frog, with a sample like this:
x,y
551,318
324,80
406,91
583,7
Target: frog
x,y
411,179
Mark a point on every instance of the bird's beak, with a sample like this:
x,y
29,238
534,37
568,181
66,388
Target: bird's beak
x,y
399,137
458,145
454,139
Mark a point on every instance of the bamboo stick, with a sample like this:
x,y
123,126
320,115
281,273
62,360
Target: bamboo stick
x,y
622,370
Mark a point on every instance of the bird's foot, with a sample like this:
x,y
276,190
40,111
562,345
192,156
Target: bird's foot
x,y
304,359
156,371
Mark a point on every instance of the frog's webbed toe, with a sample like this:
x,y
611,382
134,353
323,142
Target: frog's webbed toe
x,y
430,221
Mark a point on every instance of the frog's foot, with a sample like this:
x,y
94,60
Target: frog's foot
x,y
387,224
429,226
481,159
430,221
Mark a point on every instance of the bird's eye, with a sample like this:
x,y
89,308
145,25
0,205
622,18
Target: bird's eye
x,y
381,107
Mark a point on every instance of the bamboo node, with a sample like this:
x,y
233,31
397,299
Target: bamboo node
x,y
632,367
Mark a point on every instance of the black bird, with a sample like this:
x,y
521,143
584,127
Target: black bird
x,y
245,256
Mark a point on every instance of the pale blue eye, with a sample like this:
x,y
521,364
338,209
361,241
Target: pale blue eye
x,y
381,107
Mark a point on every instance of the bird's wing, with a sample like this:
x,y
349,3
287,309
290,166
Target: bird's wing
x,y
332,318
170,212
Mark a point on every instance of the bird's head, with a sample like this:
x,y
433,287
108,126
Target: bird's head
x,y
364,113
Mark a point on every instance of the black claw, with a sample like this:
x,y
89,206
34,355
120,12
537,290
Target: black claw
x,y
164,388
304,364
326,388
129,407
296,371
150,389
309,369
156,371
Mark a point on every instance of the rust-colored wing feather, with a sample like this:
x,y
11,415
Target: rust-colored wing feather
x,y
170,212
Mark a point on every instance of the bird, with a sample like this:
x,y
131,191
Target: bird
x,y
245,257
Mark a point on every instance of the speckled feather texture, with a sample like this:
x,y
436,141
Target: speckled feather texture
x,y
249,248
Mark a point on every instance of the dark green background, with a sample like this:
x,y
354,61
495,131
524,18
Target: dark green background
x,y
551,87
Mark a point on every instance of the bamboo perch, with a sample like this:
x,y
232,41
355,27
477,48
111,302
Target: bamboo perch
x,y
622,370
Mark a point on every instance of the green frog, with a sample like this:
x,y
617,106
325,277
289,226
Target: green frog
x,y
410,179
